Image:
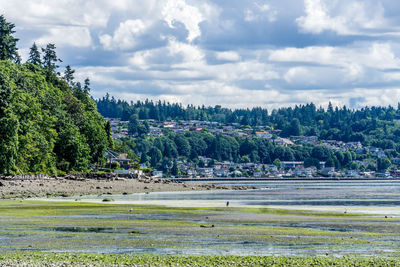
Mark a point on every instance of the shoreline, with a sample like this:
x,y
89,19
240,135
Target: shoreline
x,y
67,187
39,187
316,179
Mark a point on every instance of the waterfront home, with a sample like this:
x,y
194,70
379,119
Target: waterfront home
x,y
307,172
382,174
191,173
157,174
236,173
395,173
328,171
353,173
221,173
258,174
271,167
205,172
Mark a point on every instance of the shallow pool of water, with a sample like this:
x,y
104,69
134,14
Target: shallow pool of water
x,y
356,197
293,228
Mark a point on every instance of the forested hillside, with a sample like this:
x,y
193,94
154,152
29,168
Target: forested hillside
x,y
47,122
376,126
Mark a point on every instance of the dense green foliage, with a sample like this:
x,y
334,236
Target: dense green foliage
x,y
45,124
8,43
75,259
161,151
376,126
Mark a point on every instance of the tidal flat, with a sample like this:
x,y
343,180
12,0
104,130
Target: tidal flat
x,y
132,234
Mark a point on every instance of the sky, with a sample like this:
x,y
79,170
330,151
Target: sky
x,y
234,53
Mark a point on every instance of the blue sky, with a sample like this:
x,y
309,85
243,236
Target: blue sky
x,y
233,53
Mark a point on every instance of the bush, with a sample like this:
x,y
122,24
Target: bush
x,y
146,170
61,173
115,165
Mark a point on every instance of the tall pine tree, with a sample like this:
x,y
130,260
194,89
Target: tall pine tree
x,y
50,58
34,55
8,44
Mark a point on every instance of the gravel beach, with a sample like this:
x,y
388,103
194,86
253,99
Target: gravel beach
x,y
65,186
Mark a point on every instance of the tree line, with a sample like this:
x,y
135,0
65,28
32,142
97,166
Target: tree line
x,y
48,122
372,126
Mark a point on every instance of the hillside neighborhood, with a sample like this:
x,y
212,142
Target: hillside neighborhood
x,y
208,167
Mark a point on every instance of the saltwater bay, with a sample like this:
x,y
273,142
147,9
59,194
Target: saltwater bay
x,y
287,219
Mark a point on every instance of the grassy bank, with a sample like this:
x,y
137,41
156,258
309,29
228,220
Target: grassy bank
x,y
76,259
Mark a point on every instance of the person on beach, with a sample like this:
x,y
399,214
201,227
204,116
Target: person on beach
x,y
227,203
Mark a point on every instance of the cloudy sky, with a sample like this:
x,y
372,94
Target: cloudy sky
x,y
235,53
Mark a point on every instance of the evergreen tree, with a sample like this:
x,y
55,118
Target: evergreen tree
x,y
155,156
330,162
8,142
309,162
86,87
34,55
174,169
133,125
8,44
17,59
109,135
50,58
277,163
69,75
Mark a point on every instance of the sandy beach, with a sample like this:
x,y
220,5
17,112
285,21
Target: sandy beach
x,y
20,188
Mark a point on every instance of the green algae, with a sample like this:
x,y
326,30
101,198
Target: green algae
x,y
84,259
59,226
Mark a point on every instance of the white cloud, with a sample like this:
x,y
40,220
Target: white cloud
x,y
125,36
39,13
191,55
180,11
67,36
343,17
140,59
227,55
260,12
353,60
161,48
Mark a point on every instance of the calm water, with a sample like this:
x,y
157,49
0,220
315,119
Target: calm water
x,y
372,196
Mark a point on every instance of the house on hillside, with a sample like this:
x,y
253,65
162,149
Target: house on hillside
x,y
221,173
283,142
265,135
292,164
122,159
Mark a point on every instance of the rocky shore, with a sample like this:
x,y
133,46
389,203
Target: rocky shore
x,y
27,186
